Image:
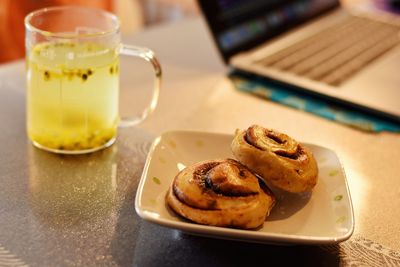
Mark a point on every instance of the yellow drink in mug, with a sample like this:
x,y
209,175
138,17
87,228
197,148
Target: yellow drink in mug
x,y
73,79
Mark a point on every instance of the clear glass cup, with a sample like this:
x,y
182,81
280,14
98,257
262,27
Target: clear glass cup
x,y
72,57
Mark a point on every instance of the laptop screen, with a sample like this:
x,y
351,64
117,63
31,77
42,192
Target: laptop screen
x,y
239,25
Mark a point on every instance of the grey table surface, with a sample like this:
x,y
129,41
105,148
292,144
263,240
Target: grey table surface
x,y
79,210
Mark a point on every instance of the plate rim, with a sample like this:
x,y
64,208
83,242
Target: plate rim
x,y
233,233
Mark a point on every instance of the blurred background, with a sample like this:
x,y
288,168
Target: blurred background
x,y
135,15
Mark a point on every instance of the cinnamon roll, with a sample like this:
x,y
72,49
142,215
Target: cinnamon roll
x,y
220,192
276,157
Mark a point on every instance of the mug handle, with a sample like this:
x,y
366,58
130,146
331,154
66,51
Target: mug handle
x,y
149,56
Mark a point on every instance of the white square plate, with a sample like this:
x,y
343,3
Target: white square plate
x,y
324,216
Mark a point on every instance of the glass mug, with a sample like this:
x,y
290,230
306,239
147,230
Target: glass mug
x,y
72,56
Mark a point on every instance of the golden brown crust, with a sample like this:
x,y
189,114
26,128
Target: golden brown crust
x,y
220,192
276,157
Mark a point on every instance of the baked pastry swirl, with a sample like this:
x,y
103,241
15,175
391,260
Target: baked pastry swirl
x,y
276,157
220,192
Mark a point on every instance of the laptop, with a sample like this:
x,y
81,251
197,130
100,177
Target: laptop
x,y
318,46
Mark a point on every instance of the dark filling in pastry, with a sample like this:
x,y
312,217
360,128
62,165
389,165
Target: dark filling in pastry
x,y
250,137
200,173
209,205
272,135
213,180
295,156
217,179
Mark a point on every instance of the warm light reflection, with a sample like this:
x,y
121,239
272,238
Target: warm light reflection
x,y
152,214
114,176
180,166
156,142
359,191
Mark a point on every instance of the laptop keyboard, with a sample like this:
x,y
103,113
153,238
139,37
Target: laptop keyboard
x,y
333,55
